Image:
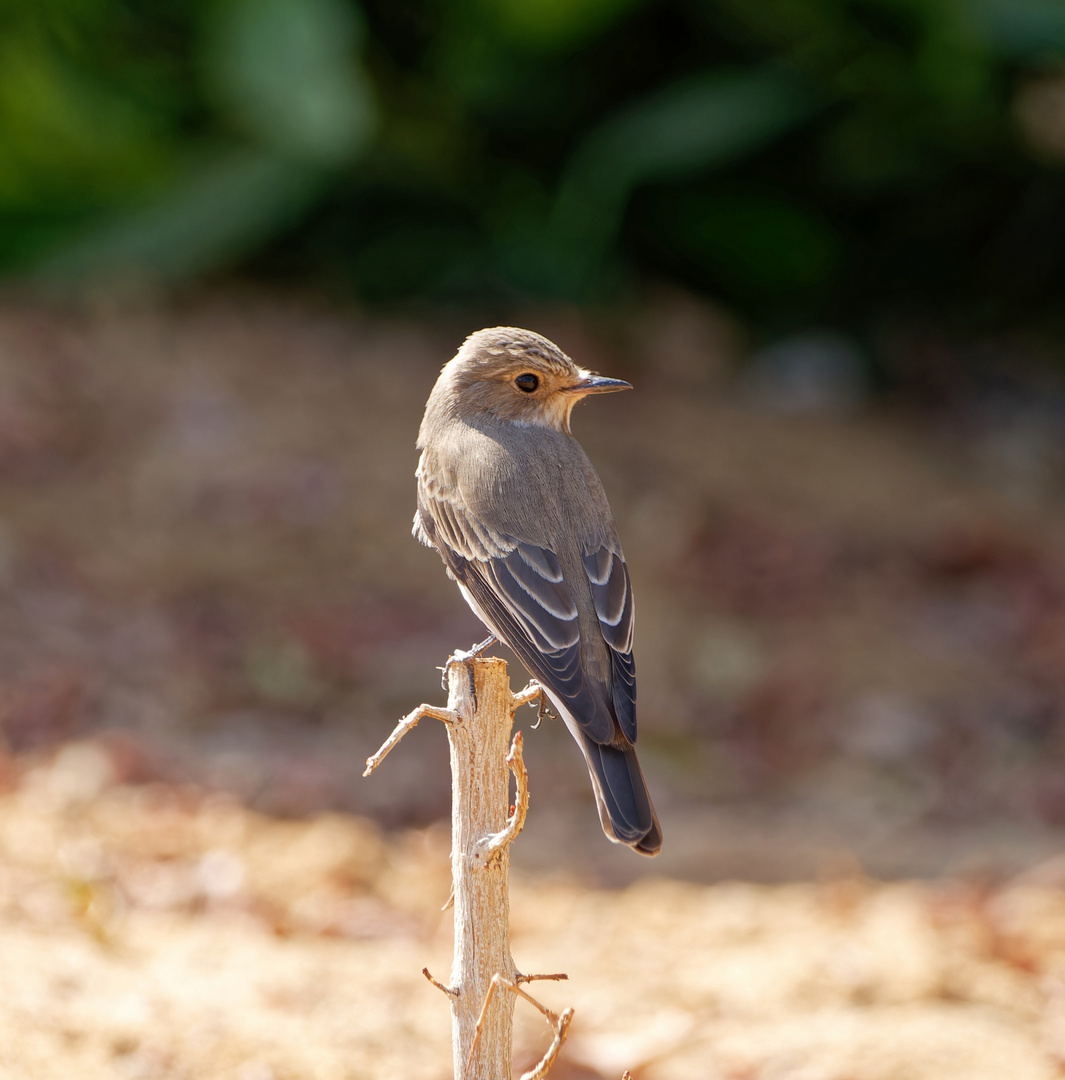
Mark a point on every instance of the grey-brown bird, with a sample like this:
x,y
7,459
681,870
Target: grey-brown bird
x,y
517,512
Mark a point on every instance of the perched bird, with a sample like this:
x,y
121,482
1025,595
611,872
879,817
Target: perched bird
x,y
517,512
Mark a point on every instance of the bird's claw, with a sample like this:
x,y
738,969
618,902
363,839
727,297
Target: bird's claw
x,y
542,709
476,650
460,657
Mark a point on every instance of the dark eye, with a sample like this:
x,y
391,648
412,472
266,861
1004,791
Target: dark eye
x,y
527,382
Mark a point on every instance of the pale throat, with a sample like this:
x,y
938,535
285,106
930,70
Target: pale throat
x,y
553,414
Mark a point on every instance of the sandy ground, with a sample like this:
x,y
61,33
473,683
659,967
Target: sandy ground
x,y
157,933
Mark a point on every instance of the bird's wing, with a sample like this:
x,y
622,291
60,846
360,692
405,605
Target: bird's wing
x,y
612,595
520,590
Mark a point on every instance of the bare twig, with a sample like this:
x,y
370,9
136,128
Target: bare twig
x,y
516,821
559,977
559,1022
561,1026
496,980
438,984
408,723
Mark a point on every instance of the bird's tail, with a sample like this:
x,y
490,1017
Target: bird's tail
x,y
625,808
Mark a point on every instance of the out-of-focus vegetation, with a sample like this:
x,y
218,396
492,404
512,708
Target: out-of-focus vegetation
x,y
797,157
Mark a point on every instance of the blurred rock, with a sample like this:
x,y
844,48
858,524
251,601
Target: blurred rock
x,y
818,373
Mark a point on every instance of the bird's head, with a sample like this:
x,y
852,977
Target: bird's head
x,y
519,376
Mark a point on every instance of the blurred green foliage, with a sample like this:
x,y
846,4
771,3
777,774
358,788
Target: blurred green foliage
x,y
799,157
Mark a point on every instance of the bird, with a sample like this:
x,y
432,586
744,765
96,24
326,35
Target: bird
x,y
517,512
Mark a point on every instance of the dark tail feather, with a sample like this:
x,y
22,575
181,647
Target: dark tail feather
x,y
625,808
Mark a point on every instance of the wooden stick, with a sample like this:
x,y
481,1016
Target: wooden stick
x,y
479,716
479,694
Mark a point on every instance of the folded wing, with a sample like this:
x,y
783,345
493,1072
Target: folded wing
x,y
520,590
612,595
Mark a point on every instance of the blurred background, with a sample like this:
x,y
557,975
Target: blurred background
x,y
827,243
825,239
797,160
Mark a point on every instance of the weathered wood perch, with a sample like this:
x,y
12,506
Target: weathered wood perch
x,y
479,716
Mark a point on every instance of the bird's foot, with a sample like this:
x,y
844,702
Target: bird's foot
x,y
543,709
476,650
461,656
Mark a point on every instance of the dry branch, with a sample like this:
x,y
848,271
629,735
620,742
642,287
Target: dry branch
x,y
479,716
559,1023
408,723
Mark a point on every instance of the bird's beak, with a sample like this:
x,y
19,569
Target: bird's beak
x,y
597,384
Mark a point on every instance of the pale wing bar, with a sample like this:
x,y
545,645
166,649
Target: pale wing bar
x,y
612,595
547,645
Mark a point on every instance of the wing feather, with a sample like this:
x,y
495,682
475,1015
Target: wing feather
x,y
520,590
612,596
